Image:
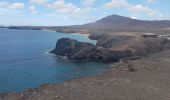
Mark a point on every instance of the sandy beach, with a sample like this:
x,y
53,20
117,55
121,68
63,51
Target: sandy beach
x,y
85,35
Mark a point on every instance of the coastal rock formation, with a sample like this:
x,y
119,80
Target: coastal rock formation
x,y
110,48
75,50
108,55
137,44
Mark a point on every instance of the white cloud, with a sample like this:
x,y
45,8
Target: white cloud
x,y
151,1
33,9
133,17
83,11
89,2
4,5
12,6
135,9
16,6
38,1
62,7
116,4
142,9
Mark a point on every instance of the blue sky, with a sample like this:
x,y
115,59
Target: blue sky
x,y
72,12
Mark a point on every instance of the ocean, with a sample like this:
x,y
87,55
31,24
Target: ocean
x,y
25,62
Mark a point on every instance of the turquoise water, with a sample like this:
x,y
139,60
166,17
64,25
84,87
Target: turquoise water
x,y
25,63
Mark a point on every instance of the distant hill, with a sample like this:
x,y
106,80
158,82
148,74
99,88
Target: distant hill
x,y
125,23
108,23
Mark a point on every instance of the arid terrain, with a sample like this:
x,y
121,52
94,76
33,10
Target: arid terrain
x,y
143,79
108,24
144,75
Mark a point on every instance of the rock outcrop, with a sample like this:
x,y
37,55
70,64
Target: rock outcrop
x,y
74,50
110,48
138,45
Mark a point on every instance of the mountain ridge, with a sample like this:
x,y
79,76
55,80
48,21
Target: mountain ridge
x,y
112,23
121,22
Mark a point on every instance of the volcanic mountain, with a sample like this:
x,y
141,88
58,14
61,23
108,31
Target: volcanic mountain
x,y
109,23
116,22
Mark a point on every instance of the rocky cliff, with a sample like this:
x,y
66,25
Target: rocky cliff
x,y
110,48
75,50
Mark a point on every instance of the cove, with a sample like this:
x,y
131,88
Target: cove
x,y
25,62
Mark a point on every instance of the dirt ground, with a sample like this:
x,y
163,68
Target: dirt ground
x,y
145,79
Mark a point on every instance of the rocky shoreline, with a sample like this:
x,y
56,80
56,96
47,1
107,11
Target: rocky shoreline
x,y
75,50
148,81
141,71
110,48
127,67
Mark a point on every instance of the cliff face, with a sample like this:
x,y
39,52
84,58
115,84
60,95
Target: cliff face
x,y
75,50
110,48
137,44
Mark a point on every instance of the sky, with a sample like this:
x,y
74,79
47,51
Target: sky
x,y
76,12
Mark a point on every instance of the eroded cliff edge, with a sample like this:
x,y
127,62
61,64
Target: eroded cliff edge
x,y
110,48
